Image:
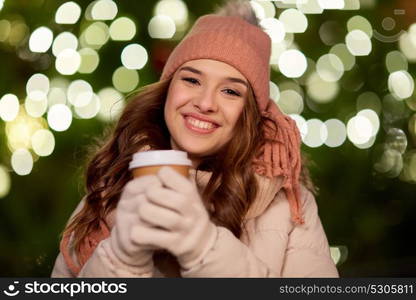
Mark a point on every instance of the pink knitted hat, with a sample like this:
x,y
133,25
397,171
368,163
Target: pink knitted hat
x,y
246,47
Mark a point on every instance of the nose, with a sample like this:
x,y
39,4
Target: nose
x,y
206,101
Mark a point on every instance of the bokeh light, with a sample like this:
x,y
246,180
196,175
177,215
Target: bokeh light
x,y
409,167
292,63
389,163
79,93
176,10
37,87
352,5
95,35
274,91
161,27
369,100
293,20
64,40
372,116
331,4
274,28
59,117
268,8
112,104
89,60
358,43
359,129
342,52
393,110
125,80
317,133
68,13
407,47
122,29
134,56
104,10
90,110
309,6
5,28
339,254
20,130
9,107
36,107
5,182
56,95
368,144
276,51
18,33
291,102
43,142
68,62
40,39
396,139
330,67
396,61
330,32
300,124
401,84
258,9
22,161
360,23
319,90
337,133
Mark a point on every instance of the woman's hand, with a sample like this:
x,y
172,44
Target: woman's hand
x,y
177,219
127,246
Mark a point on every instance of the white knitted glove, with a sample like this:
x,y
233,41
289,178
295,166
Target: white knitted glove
x,y
127,246
177,218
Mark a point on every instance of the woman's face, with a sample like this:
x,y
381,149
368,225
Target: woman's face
x,y
204,101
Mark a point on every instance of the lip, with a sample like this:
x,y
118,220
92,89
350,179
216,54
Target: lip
x,y
201,118
197,130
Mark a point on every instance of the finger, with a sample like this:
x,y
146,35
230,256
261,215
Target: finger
x,y
150,236
193,180
166,198
138,185
128,205
157,216
175,181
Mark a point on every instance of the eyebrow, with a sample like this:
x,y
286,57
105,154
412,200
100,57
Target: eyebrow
x,y
232,79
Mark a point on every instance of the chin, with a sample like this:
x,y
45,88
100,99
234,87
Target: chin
x,y
195,149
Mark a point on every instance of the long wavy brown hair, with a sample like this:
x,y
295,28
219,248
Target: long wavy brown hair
x,y
231,189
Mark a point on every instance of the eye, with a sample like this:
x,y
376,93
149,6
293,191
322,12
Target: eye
x,y
194,81
190,80
232,92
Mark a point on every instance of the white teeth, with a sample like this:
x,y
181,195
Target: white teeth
x,y
200,124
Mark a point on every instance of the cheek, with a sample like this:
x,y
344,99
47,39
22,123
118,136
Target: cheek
x,y
176,97
174,100
233,113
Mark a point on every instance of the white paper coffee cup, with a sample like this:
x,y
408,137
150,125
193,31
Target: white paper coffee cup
x,y
149,162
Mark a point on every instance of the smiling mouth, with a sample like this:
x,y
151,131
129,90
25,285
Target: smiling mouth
x,y
200,127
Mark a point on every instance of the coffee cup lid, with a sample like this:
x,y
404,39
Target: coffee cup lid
x,y
159,157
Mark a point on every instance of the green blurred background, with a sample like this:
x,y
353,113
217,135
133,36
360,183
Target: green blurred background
x,y
367,193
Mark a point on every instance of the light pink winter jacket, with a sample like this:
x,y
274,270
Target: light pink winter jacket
x,y
273,246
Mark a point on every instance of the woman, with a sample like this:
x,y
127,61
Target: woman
x,y
247,211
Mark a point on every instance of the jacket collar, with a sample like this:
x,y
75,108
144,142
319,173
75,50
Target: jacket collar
x,y
267,190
